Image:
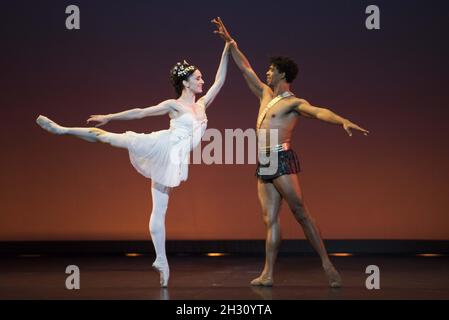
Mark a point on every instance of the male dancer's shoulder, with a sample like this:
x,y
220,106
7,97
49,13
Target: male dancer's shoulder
x,y
297,101
302,106
266,91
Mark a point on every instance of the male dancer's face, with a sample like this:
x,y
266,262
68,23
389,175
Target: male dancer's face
x,y
273,76
195,82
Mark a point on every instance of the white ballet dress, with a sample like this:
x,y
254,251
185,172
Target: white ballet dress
x,y
163,156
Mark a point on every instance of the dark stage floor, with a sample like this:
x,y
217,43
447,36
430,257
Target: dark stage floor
x,y
200,277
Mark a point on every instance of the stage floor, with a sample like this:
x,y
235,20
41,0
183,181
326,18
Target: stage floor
x,y
200,277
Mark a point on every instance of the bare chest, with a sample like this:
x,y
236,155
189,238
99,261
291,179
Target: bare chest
x,y
279,115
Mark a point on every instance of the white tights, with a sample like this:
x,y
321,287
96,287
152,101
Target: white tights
x,y
158,192
160,197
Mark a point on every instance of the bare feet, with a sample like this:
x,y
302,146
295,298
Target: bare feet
x,y
50,125
333,277
263,280
164,272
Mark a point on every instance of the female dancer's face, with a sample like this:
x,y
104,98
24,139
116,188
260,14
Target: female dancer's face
x,y
195,82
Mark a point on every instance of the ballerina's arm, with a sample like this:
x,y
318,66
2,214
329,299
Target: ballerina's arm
x,y
219,78
137,113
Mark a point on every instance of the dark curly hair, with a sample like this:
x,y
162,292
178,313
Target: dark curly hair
x,y
285,65
180,72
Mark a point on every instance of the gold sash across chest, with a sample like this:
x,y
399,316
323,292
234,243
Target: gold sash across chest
x,y
270,105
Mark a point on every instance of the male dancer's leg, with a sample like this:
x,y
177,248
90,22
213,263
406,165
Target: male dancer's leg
x,y
270,201
290,189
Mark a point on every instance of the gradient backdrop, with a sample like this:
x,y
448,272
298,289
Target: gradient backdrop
x,y
394,82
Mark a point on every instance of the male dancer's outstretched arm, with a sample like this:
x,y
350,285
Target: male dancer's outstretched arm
x,y
326,115
241,61
258,87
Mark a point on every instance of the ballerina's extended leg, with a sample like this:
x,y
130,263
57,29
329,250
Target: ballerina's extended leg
x,y
88,134
50,125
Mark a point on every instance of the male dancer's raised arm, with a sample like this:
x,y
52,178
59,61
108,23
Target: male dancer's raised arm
x,y
257,86
242,62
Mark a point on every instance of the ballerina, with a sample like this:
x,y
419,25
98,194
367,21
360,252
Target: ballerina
x,y
161,156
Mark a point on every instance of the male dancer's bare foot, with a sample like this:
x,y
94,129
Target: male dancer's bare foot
x,y
164,272
333,276
50,125
263,280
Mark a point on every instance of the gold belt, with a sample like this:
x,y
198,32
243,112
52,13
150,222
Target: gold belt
x,y
277,148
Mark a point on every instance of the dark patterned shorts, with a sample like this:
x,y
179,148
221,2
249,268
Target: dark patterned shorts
x,y
288,163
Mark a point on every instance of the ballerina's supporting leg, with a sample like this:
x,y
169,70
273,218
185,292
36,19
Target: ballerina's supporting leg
x,y
160,196
88,134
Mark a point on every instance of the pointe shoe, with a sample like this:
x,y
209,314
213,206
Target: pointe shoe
x,y
334,278
262,281
49,125
164,272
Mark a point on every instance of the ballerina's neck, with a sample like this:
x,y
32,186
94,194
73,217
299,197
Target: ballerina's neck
x,y
189,104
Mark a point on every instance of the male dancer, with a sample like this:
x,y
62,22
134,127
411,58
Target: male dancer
x,y
279,110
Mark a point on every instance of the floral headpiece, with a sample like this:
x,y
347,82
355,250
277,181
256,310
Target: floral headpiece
x,y
183,69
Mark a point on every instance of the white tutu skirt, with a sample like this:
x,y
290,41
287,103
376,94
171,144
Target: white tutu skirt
x,y
161,156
